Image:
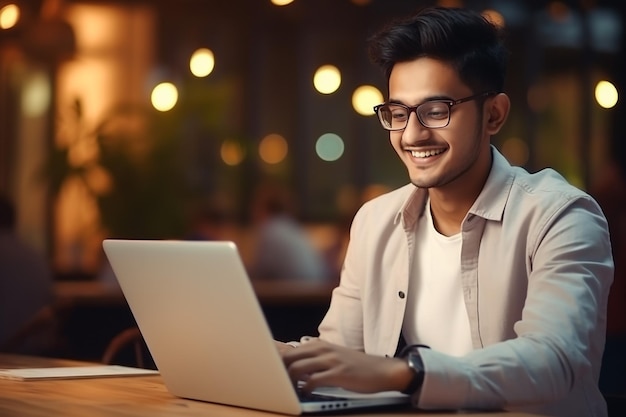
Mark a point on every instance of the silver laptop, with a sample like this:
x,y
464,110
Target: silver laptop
x,y
206,332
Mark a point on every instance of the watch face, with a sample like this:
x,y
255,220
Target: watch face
x,y
414,360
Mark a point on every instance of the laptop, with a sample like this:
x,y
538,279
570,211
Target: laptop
x,y
204,327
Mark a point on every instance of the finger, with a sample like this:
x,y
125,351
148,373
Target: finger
x,y
322,378
303,369
283,347
304,351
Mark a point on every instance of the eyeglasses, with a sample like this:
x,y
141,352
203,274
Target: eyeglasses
x,y
433,114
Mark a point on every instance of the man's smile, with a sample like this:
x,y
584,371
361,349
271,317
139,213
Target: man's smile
x,y
426,154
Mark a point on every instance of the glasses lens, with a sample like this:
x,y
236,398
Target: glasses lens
x,y
393,117
434,113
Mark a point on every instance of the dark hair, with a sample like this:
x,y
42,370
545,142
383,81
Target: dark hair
x,y
7,214
471,44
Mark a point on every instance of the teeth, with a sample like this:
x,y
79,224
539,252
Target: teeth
x,y
426,154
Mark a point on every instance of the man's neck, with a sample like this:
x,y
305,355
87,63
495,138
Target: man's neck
x,y
449,204
448,213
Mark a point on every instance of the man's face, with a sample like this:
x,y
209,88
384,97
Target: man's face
x,y
454,156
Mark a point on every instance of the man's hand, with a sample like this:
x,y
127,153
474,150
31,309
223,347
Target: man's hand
x,y
283,347
319,364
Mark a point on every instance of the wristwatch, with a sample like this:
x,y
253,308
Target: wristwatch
x,y
414,360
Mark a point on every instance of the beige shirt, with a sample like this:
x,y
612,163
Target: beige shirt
x,y
536,269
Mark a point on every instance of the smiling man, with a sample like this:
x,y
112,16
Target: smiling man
x,y
477,285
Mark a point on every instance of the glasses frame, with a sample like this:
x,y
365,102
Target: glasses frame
x,y
413,109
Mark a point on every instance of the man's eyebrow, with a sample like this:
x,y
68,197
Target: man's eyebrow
x,y
431,98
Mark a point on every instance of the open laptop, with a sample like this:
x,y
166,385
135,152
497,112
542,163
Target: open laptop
x,y
205,329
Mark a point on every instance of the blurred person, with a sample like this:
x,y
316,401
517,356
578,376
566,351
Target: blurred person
x,y
477,285
213,219
282,248
26,283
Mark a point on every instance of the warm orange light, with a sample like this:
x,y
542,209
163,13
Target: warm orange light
x,y
327,79
450,3
99,180
365,98
202,62
232,153
494,17
606,94
558,10
164,97
9,16
273,148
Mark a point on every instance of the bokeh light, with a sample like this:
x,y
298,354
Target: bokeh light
x,y
329,147
98,179
36,95
281,2
449,3
494,17
273,148
558,11
232,152
606,94
365,98
9,16
164,96
327,79
202,62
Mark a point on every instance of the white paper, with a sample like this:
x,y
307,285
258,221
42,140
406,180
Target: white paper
x,y
72,372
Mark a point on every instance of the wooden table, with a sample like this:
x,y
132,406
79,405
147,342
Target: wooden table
x,y
135,396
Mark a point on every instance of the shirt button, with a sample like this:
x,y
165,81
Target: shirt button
x,y
401,294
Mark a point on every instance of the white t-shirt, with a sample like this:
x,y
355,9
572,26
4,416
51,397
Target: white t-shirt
x,y
435,312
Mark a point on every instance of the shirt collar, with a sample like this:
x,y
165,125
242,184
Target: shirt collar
x,y
413,208
492,199
490,203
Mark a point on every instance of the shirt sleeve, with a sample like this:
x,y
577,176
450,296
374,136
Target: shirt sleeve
x,y
556,354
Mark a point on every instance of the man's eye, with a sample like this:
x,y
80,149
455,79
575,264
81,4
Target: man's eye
x,y
436,112
398,114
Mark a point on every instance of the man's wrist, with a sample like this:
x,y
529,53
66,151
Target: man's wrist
x,y
415,364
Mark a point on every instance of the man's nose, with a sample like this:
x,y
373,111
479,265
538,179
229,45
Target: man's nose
x,y
415,131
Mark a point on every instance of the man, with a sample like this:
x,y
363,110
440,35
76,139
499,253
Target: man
x,y
500,277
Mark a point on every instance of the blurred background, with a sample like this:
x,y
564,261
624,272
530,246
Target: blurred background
x,y
140,118
123,118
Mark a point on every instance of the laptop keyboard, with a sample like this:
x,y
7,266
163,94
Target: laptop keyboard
x,y
315,397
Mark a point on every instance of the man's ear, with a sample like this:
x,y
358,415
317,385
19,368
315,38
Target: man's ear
x,y
497,111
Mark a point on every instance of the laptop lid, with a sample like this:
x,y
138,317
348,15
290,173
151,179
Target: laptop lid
x,y
204,327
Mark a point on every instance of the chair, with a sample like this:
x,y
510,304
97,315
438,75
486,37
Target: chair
x,y
39,335
128,341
